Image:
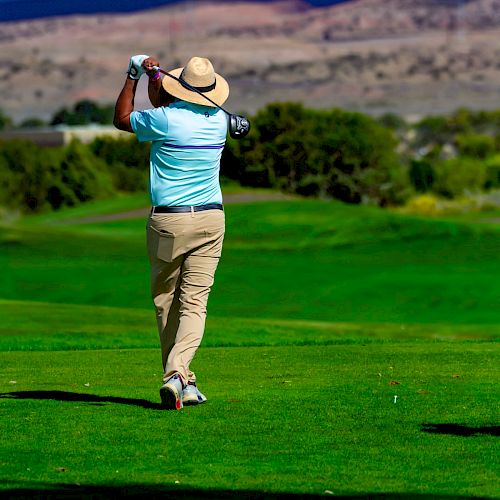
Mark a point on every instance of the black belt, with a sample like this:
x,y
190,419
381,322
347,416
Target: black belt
x,y
186,208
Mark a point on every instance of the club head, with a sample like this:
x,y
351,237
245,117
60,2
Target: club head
x,y
239,126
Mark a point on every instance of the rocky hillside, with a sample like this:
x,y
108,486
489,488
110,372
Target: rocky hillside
x,y
413,57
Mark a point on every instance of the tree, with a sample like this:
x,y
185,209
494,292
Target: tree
x,y
458,176
476,145
422,175
338,154
34,179
32,123
84,112
5,121
127,161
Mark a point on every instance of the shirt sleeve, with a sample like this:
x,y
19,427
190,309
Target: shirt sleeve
x,y
149,125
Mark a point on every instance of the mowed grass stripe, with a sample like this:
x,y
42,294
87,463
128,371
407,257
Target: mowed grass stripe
x,y
32,326
291,419
306,260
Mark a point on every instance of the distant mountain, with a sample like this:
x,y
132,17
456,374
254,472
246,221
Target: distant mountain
x,y
406,56
14,10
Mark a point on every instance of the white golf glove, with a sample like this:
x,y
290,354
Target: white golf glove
x,y
135,69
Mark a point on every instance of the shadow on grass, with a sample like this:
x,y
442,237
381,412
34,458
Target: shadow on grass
x,y
462,430
81,398
158,491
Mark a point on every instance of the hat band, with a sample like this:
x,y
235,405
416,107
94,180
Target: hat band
x,y
188,86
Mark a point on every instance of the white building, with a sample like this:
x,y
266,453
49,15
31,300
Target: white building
x,y
61,135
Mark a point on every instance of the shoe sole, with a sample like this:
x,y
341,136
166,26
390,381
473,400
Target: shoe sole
x,y
192,401
189,401
170,398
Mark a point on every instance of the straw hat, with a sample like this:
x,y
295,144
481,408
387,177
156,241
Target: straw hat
x,y
198,73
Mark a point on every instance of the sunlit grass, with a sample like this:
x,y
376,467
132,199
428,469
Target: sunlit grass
x,y
348,349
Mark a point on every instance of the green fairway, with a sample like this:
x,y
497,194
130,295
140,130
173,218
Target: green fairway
x,y
348,351
26,326
295,259
296,419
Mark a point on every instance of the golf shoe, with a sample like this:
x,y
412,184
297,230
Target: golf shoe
x,y
192,395
171,393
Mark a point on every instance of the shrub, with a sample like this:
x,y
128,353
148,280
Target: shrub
x,y
432,129
36,179
424,204
127,160
32,123
459,176
127,151
26,171
429,204
393,121
5,121
480,122
475,145
84,176
422,175
492,166
7,183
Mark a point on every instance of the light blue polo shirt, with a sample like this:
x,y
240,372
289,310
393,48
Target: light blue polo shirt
x,y
187,143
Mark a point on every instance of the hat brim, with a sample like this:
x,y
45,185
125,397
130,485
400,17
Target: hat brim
x,y
219,94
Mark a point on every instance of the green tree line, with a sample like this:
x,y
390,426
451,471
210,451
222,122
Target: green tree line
x,y
35,179
321,153
451,155
84,112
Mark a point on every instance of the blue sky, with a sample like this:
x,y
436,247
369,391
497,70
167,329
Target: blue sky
x,y
31,9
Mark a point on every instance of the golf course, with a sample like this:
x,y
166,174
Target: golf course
x,y
349,352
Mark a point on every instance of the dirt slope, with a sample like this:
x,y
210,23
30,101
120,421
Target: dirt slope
x,y
413,57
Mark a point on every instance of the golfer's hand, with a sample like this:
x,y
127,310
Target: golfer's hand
x,y
135,69
149,64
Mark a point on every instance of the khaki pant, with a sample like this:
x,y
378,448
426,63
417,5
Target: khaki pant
x,y
184,250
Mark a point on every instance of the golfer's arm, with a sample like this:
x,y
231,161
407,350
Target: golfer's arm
x,y
154,87
125,105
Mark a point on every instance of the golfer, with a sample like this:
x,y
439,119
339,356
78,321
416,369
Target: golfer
x,y
185,229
